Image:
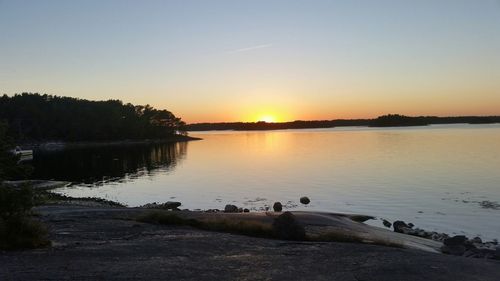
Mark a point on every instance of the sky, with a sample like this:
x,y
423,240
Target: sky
x,y
235,60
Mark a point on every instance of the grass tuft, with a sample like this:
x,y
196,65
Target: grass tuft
x,y
23,232
248,228
256,229
17,228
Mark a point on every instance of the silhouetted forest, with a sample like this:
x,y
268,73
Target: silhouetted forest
x,y
391,120
35,117
396,120
275,126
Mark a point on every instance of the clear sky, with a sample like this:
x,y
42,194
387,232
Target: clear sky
x,y
261,59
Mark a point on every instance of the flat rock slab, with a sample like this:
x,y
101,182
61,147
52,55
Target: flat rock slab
x,y
92,244
340,225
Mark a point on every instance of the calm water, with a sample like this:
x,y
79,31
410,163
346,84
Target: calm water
x,y
433,176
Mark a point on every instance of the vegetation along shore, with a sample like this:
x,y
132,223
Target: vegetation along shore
x,y
390,120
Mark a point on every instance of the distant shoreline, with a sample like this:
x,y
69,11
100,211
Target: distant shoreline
x,y
56,145
391,120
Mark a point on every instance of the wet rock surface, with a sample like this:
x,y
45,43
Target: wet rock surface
x,y
103,244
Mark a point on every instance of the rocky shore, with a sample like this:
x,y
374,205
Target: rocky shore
x,y
458,245
99,239
107,243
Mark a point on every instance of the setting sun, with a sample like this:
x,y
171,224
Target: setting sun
x,y
267,119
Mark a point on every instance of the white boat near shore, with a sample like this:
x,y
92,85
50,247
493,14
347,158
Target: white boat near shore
x,y
25,154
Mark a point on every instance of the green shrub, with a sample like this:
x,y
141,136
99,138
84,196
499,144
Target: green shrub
x,y
22,232
15,201
17,229
249,228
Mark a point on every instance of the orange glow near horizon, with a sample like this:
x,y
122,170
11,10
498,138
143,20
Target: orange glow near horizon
x,y
267,115
329,110
267,119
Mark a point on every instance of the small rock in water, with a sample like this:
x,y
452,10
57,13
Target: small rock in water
x,y
490,205
399,226
304,200
476,240
386,223
170,205
277,207
285,226
246,210
411,225
230,209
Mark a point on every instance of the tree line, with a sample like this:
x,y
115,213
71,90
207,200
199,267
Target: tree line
x,y
390,120
33,117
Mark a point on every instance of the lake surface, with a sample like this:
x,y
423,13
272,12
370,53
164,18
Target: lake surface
x,y
443,177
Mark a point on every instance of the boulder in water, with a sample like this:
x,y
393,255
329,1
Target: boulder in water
x,y
277,207
230,209
400,226
386,223
304,200
170,205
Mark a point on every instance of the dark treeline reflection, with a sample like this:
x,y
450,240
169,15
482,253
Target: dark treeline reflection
x,y
94,165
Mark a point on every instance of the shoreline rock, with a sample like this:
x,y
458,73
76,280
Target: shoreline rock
x,y
169,205
458,245
230,209
277,207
